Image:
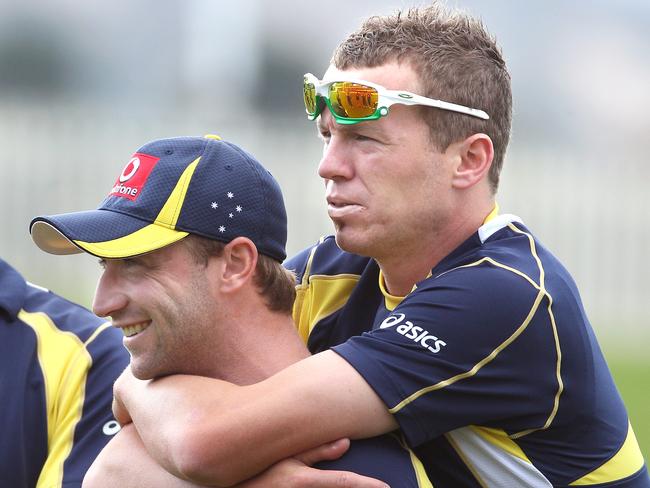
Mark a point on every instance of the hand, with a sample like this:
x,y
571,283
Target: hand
x,y
120,412
296,472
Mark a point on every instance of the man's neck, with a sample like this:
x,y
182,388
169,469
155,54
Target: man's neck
x,y
260,351
402,273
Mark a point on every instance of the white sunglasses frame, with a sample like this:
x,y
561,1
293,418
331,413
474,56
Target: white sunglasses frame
x,y
385,100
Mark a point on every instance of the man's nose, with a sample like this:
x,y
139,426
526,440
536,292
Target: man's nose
x,y
109,296
336,161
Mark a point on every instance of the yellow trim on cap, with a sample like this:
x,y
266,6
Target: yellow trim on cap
x,y
168,215
212,136
144,240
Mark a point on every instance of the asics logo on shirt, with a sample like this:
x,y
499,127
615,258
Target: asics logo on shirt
x,y
413,332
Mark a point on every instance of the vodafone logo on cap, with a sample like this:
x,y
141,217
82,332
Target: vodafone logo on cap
x,y
133,177
130,169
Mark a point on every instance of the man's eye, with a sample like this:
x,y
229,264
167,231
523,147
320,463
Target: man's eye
x,y
361,137
130,262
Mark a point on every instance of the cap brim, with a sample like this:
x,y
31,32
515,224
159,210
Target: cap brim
x,y
102,233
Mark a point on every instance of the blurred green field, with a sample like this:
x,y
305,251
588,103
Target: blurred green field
x,y
632,376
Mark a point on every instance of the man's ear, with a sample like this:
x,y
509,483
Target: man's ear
x,y
238,263
476,154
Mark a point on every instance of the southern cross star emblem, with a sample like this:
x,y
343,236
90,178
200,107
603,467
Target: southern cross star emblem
x,y
231,215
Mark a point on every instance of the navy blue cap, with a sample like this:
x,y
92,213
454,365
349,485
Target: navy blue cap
x,y
171,188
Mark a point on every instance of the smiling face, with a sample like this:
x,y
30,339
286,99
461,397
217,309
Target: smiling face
x,y
162,301
388,188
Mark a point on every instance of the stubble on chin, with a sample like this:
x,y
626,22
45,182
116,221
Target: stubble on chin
x,y
349,244
143,371
140,373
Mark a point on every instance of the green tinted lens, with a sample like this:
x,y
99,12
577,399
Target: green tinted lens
x,y
309,95
352,100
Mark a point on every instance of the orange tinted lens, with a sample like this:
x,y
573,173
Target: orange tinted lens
x,y
309,94
352,99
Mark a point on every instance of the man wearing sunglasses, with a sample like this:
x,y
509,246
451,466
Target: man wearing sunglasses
x,y
430,312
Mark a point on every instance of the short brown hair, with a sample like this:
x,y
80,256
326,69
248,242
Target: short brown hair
x,y
456,60
275,283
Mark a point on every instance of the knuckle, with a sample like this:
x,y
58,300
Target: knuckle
x,y
343,480
299,479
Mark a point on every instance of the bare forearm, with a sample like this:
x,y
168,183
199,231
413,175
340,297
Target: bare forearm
x,y
204,430
166,411
213,432
125,462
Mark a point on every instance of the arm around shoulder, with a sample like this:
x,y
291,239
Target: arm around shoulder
x,y
217,433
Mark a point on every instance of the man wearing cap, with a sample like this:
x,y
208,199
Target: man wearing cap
x,y
435,314
59,362
191,240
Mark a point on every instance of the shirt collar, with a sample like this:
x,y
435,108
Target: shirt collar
x,y
390,301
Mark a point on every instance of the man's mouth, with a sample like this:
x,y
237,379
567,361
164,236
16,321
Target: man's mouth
x,y
131,330
341,209
339,205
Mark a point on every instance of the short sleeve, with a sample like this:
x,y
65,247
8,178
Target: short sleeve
x,y
472,346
